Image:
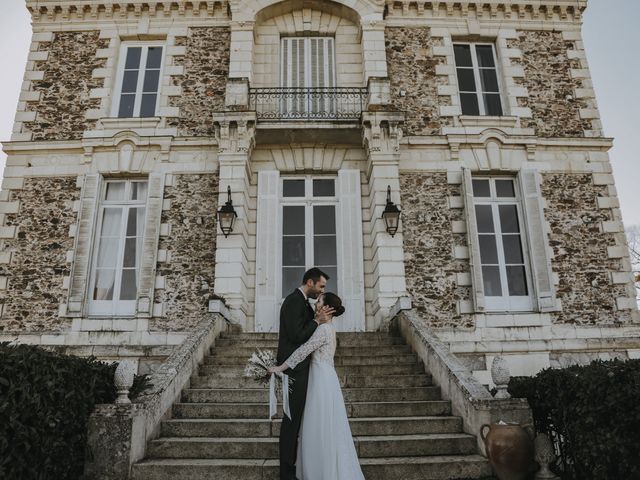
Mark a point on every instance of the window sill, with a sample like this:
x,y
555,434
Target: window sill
x,y
142,126
488,121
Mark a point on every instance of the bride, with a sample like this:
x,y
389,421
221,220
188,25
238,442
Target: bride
x,y
325,449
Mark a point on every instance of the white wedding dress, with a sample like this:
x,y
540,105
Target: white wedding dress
x,y
325,446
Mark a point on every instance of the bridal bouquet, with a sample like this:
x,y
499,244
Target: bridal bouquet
x,y
257,366
257,369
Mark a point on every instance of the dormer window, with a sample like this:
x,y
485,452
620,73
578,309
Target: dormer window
x,y
138,81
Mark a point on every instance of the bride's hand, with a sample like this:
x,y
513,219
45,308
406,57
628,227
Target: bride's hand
x,y
279,369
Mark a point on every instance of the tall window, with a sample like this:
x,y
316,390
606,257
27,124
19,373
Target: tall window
x,y
114,283
139,81
478,79
307,70
503,257
308,230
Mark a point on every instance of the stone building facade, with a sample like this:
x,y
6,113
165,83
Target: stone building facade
x,y
480,117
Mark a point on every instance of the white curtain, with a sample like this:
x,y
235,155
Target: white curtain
x,y
108,253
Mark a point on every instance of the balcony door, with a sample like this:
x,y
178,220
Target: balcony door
x,y
307,75
307,221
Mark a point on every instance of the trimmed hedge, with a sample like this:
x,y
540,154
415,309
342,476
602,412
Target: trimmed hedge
x,y
593,414
45,401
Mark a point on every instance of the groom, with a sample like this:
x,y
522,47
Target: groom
x,y
297,323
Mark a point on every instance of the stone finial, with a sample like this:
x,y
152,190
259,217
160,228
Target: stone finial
x,y
500,376
544,455
123,379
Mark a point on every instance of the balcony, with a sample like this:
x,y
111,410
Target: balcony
x,y
308,115
316,104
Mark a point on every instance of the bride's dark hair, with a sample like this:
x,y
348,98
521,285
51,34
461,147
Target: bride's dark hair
x,y
334,301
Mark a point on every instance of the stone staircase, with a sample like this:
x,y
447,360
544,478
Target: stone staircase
x,y
401,426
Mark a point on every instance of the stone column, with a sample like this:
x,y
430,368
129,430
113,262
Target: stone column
x,y
241,57
373,49
384,270
235,132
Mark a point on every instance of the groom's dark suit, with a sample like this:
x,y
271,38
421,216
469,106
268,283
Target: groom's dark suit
x,y
296,327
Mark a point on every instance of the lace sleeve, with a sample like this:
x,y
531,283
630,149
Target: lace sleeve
x,y
318,339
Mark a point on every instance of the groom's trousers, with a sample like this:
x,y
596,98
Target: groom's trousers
x,y
291,428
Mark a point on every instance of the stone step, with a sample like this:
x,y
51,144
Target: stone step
x,y
366,370
267,428
257,395
406,468
235,351
267,447
260,410
338,361
272,343
346,381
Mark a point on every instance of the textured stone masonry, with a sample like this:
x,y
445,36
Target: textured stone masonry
x,y
191,246
64,90
580,251
411,66
38,255
552,90
429,241
206,68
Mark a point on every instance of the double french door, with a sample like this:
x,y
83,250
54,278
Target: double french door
x,y
308,77
304,222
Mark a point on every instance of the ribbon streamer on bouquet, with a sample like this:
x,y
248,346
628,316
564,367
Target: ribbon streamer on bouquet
x,y
273,401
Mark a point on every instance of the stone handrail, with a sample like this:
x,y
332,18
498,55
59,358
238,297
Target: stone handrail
x,y
469,398
117,434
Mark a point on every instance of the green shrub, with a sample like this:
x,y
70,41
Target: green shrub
x,y
593,414
45,401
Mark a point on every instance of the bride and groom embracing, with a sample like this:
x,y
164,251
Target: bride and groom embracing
x,y
316,442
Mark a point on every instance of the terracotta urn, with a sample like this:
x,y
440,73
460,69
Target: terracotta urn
x,y
509,449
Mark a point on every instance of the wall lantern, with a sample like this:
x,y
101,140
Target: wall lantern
x,y
227,216
391,214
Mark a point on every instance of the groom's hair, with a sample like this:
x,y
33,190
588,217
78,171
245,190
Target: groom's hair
x,y
314,274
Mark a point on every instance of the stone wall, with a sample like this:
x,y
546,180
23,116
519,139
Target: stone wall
x,y
38,255
429,242
411,67
552,90
206,68
64,90
191,246
580,250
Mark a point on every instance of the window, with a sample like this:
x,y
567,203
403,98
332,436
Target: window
x,y
308,230
138,81
478,79
114,282
307,71
503,256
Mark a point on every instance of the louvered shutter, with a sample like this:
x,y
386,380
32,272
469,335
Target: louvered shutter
x,y
350,250
150,243
268,239
473,242
540,261
84,241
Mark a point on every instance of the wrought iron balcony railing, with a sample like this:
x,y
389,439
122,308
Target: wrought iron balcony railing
x,y
308,104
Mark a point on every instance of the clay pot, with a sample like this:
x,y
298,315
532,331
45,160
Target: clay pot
x,y
509,449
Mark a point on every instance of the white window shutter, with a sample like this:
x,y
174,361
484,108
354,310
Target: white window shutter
x,y
152,220
84,242
540,261
473,242
267,242
350,251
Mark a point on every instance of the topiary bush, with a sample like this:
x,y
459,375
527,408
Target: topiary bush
x,y
592,413
45,401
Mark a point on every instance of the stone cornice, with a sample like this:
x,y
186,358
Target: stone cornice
x,y
514,9
93,9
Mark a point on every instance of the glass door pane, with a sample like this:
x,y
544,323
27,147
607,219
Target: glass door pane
x,y
293,247
324,243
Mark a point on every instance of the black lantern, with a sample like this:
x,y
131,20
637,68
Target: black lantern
x,y
391,215
227,216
